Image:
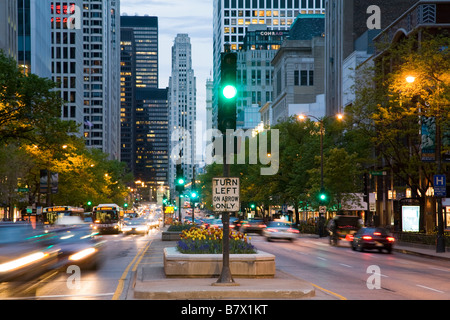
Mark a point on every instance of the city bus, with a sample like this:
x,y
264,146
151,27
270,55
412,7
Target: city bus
x,y
52,215
106,218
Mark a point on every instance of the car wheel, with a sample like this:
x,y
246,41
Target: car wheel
x,y
353,246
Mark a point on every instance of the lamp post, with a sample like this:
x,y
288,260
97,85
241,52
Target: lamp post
x,y
322,195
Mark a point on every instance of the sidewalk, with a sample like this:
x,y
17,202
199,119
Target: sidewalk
x,y
150,282
422,250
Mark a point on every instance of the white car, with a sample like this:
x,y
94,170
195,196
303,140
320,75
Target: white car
x,y
281,230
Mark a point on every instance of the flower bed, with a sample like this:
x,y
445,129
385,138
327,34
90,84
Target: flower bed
x,y
199,254
210,241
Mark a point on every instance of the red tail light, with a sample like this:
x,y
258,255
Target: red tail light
x,y
262,225
293,230
377,233
349,237
367,237
390,239
271,230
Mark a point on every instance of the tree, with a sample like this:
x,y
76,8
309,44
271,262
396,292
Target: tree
x,y
408,86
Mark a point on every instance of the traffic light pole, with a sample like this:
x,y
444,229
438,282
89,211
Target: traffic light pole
x,y
226,279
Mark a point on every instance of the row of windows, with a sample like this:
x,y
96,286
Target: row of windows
x,y
273,4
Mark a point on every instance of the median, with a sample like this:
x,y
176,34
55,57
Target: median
x,y
199,254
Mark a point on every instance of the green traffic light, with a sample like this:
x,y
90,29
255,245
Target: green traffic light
x,y
89,203
229,91
180,181
194,195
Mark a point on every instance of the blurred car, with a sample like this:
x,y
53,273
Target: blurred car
x,y
253,225
25,252
373,238
280,230
215,223
76,243
153,223
135,226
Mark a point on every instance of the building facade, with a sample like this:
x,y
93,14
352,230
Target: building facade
x,y
8,27
34,37
298,76
85,41
183,109
254,72
232,18
145,29
152,140
128,97
346,21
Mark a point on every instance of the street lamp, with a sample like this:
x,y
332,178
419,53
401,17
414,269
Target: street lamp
x,y
322,195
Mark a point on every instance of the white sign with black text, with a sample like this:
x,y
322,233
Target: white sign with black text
x,y
226,194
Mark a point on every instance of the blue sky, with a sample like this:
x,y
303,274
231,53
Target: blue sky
x,y
181,16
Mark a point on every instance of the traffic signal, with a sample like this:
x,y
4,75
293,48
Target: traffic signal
x,y
194,195
226,117
323,196
180,181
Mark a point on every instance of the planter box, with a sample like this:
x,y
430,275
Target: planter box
x,y
258,265
171,235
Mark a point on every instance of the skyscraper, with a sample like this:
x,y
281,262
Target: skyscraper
x,y
86,54
145,30
34,34
232,17
8,27
152,139
182,106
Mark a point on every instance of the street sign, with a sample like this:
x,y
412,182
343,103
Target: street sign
x,y
378,173
440,185
226,195
322,209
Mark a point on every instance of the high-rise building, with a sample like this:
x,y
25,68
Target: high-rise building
x,y
183,109
145,30
34,37
254,73
346,21
127,97
152,139
8,27
86,63
232,17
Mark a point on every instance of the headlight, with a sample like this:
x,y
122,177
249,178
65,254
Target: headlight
x,y
82,254
18,263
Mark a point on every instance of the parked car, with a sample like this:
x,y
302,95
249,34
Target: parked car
x,y
281,230
253,225
373,238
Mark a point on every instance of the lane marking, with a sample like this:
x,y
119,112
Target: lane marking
x,y
428,288
345,265
62,296
121,284
322,258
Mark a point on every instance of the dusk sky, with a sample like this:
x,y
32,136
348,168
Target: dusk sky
x,y
180,16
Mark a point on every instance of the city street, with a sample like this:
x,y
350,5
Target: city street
x,y
337,273
101,284
343,272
